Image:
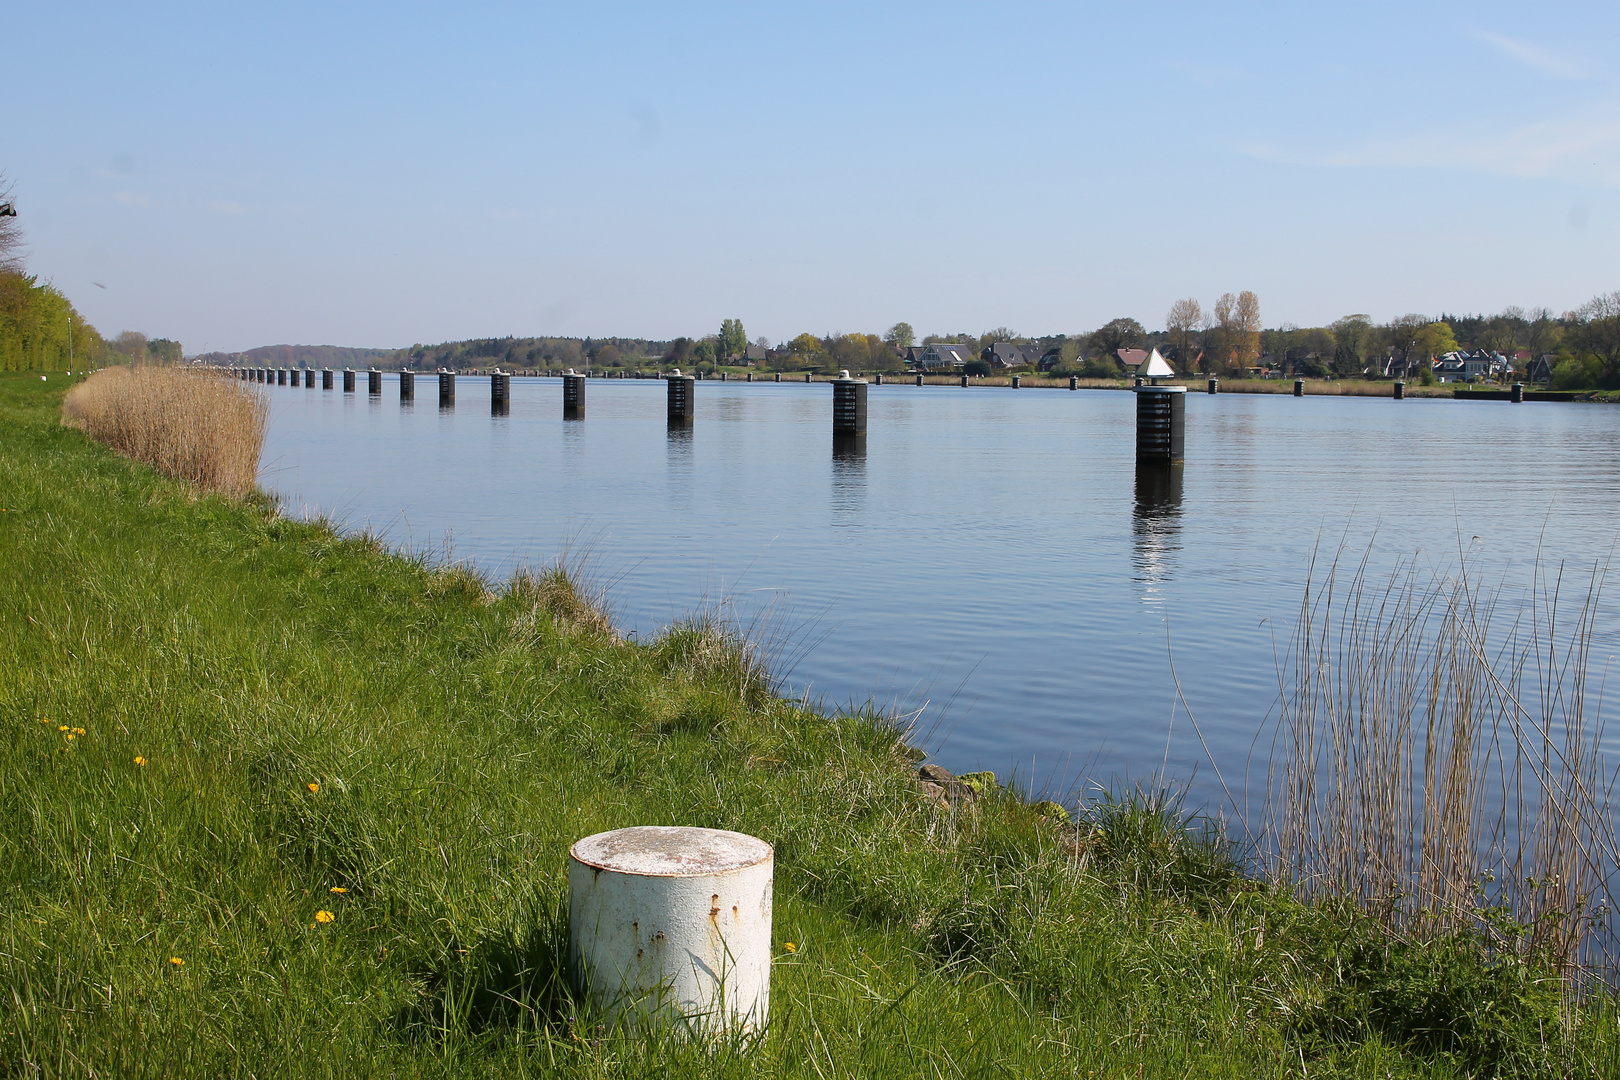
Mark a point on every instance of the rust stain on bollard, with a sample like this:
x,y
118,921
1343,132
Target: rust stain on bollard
x,y
646,938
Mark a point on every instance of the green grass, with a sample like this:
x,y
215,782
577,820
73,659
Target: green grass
x,y
462,738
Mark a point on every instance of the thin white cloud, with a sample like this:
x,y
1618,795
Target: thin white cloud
x,y
1532,56
1583,147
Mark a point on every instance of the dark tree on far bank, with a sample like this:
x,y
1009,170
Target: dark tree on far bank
x,y
1117,334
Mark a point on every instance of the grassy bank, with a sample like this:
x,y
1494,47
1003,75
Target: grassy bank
x,y
220,724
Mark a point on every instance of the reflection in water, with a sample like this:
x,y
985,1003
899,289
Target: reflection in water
x,y
1156,523
679,488
848,477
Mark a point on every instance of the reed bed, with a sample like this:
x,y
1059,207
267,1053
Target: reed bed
x,y
1327,387
190,425
1442,775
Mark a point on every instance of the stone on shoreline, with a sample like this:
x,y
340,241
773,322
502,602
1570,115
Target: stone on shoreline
x,y
942,787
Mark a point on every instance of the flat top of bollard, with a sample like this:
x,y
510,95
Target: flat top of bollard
x,y
670,851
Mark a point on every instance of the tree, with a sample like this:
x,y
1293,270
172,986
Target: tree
x,y
1117,334
1597,331
1501,334
1353,335
1313,350
900,336
1543,333
131,344
164,351
11,240
1218,334
1577,373
1246,331
1182,324
679,350
731,341
1434,339
1403,336
806,348
703,351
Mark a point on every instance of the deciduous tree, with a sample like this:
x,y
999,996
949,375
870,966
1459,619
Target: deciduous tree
x,y
1182,324
1597,331
11,239
679,350
731,341
1353,335
1246,330
806,348
1433,339
900,336
1116,334
1543,333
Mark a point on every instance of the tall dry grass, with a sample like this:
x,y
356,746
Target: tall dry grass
x,y
191,425
1443,775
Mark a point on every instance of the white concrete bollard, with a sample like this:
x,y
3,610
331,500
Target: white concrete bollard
x,y
672,925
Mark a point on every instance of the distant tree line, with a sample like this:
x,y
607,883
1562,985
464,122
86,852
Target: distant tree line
x,y
1228,338
527,353
291,356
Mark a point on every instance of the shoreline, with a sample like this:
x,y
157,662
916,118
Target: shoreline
x,y
227,723
1368,388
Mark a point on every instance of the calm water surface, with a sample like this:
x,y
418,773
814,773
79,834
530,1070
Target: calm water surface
x,y
993,559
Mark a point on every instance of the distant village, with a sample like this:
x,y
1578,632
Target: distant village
x,y
1481,365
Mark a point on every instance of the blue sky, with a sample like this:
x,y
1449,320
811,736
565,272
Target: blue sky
x,y
233,175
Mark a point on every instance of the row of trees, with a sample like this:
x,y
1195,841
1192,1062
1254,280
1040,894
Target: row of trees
x,y
39,330
1226,338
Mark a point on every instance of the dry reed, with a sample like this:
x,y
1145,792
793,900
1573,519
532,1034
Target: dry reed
x,y
1442,776
191,425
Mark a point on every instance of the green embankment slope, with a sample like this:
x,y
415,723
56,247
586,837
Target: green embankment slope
x,y
161,919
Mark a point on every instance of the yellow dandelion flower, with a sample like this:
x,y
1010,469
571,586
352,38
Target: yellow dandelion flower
x,y
789,946
139,760
71,736
313,788
340,890
324,916
62,727
78,731
176,961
